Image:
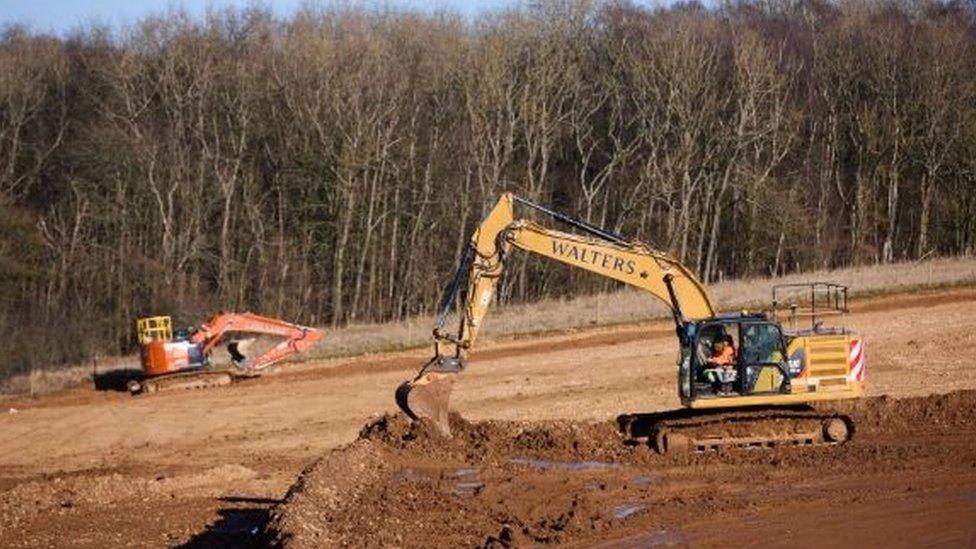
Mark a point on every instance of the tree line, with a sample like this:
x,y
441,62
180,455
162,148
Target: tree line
x,y
328,167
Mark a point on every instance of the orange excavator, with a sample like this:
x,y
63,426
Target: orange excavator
x,y
182,361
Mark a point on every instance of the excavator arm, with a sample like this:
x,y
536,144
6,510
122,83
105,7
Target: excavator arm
x,y
483,264
296,338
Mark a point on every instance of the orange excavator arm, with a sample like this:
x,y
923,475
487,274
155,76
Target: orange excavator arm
x,y
297,338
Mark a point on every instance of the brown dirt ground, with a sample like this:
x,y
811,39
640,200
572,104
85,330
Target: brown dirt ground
x,y
95,468
563,482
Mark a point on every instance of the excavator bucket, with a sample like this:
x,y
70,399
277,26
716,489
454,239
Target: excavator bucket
x,y
428,397
238,349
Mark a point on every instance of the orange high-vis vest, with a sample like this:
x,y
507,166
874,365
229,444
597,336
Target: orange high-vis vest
x,y
724,357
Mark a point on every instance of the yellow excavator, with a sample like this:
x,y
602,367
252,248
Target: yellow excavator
x,y
744,379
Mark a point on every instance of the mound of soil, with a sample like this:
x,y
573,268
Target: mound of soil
x,y
500,483
884,416
492,440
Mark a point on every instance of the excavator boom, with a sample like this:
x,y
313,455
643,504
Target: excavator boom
x,y
296,338
596,250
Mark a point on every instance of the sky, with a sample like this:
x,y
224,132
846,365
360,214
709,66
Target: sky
x,y
62,16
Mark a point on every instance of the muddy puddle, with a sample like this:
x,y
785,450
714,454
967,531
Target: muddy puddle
x,y
546,465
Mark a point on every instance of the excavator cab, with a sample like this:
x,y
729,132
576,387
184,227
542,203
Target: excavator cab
x,y
759,352
161,352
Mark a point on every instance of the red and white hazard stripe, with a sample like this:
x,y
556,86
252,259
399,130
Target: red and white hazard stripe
x,y
856,361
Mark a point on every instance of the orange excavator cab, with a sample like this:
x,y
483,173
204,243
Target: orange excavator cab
x,y
162,353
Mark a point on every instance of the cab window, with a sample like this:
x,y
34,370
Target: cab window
x,y
711,333
761,343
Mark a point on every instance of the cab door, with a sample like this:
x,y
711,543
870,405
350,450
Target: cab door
x,y
763,359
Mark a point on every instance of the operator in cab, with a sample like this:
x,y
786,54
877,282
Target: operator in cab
x,y
721,364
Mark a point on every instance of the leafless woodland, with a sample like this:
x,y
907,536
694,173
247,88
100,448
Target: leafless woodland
x,y
328,168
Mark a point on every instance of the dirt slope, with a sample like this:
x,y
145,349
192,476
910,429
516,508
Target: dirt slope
x,y
98,468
